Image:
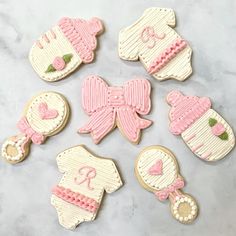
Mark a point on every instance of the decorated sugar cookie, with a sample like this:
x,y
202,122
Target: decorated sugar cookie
x,y
205,132
109,107
153,41
78,196
157,171
63,48
45,115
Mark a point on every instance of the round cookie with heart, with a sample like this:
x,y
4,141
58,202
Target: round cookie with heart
x,y
45,115
157,171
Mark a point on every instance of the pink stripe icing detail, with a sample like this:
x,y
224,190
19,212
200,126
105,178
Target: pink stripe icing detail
x,y
77,199
168,54
206,155
82,35
185,110
190,137
46,38
26,129
165,193
106,104
53,34
39,44
194,149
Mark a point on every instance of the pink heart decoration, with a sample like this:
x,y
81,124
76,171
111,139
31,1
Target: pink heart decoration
x,y
45,113
156,169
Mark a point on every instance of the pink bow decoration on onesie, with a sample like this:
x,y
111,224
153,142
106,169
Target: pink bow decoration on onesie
x,y
165,193
111,106
26,129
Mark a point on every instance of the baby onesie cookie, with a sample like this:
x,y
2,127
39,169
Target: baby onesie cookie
x,y
109,107
63,48
45,115
157,171
204,131
79,194
152,40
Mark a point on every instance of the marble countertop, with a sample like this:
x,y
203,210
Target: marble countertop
x,y
25,190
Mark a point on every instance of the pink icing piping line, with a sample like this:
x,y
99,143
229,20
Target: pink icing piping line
x,y
82,35
206,155
168,54
87,176
53,34
166,192
195,148
190,137
77,199
106,105
39,44
148,33
45,37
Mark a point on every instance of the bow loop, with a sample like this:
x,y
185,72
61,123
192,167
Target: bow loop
x,y
137,95
94,94
26,129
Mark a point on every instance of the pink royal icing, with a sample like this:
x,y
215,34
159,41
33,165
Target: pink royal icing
x,y
165,193
218,129
167,55
156,169
185,110
106,105
77,199
149,36
87,174
82,35
58,63
45,113
26,129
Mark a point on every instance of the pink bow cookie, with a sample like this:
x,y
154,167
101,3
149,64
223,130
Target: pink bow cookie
x,y
109,107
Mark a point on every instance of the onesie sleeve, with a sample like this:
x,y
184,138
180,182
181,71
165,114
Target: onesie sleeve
x,y
113,179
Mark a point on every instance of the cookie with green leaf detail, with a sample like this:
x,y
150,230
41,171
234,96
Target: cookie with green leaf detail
x,y
61,50
204,131
59,63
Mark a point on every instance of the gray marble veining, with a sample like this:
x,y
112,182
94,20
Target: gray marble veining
x,y
25,189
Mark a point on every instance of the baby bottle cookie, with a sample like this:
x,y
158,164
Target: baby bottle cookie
x,y
63,48
45,115
109,107
204,131
78,196
157,171
152,40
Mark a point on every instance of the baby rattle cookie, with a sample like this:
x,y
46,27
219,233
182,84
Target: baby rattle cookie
x,y
109,107
63,48
45,115
204,131
157,171
78,196
152,40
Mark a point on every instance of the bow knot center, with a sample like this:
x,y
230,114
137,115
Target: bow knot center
x,y
116,96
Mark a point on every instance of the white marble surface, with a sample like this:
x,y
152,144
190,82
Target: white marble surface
x,y
25,188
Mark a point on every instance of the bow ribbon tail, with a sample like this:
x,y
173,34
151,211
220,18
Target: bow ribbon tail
x,y
100,124
131,123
